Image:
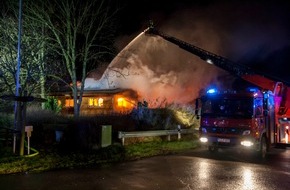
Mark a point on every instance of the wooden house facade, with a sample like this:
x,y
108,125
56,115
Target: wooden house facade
x,y
99,102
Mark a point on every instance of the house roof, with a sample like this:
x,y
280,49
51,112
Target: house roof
x,y
89,92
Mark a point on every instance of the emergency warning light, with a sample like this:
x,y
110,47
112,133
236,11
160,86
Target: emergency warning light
x,y
253,89
211,91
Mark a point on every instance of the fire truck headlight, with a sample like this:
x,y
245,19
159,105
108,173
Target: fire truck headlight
x,y
246,132
247,143
203,139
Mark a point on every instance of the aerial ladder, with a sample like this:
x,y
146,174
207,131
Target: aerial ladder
x,y
263,81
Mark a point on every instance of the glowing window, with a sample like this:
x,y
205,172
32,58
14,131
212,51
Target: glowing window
x,y
69,103
94,102
91,101
101,102
121,102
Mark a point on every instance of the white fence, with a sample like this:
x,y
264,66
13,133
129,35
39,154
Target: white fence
x,y
123,135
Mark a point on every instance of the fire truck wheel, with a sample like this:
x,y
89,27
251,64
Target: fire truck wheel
x,y
212,148
263,148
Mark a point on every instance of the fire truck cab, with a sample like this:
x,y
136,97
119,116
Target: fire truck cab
x,y
237,119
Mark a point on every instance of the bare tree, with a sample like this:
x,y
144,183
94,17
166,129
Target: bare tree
x,y
31,71
32,68
82,34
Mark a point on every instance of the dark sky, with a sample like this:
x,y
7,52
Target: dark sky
x,y
256,33
136,14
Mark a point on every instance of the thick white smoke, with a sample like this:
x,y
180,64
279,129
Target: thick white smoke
x,y
160,71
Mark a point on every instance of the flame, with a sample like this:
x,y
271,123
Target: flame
x,y
121,102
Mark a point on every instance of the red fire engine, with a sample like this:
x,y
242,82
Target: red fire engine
x,y
254,118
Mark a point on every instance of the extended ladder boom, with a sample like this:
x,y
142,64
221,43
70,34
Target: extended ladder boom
x,y
262,80
211,58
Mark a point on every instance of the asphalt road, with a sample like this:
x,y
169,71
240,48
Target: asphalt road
x,y
196,169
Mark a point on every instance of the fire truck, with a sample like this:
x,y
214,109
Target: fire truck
x,y
255,117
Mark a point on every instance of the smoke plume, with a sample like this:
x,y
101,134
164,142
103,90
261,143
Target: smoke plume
x,y
161,71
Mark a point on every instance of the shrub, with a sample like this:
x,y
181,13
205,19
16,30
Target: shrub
x,y
52,105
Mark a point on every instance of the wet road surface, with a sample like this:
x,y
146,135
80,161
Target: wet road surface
x,y
196,169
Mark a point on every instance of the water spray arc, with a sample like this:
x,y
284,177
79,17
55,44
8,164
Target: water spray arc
x,y
159,71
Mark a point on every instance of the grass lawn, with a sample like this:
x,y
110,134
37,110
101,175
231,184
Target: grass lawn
x,y
52,159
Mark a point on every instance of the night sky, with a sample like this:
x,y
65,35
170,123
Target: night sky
x,y
255,33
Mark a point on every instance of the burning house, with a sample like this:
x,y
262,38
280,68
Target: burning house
x,y
99,101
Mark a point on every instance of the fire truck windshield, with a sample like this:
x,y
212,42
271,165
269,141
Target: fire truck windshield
x,y
217,107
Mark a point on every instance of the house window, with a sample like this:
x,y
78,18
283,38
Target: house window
x,y
101,102
92,102
95,102
69,103
121,102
